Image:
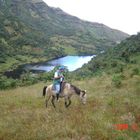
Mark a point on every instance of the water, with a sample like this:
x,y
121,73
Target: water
x,y
71,62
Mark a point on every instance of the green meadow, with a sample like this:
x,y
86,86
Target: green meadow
x,y
23,115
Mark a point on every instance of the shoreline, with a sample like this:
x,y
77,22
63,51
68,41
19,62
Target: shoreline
x,y
15,73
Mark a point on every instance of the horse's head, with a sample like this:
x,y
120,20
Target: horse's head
x,y
83,96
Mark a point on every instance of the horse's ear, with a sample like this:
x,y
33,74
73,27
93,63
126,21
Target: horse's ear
x,y
83,93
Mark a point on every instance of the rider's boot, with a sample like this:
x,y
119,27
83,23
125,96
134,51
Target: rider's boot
x,y
57,97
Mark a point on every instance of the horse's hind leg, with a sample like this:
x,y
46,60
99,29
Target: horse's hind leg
x,y
53,99
47,99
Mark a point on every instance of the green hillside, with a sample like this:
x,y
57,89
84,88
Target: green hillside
x,y
123,57
31,31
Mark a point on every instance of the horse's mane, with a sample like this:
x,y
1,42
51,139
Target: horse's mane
x,y
76,89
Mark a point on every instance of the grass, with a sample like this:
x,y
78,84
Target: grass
x,y
23,114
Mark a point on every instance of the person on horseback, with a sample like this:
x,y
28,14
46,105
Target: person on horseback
x,y
58,79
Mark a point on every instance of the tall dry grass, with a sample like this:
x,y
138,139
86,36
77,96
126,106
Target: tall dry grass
x,y
23,115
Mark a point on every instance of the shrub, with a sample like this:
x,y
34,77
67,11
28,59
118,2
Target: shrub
x,y
135,71
117,80
28,78
6,83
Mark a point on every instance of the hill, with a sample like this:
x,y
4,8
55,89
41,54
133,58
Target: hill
x,y
31,31
123,57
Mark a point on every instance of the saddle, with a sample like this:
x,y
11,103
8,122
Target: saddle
x,y
62,85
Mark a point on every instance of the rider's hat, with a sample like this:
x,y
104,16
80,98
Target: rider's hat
x,y
61,68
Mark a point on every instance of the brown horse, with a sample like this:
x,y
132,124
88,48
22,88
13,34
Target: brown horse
x,y
67,91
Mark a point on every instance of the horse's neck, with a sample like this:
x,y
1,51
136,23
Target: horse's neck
x,y
76,90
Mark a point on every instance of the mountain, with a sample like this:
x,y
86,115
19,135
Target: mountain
x,y
31,31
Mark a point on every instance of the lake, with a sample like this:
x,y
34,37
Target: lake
x,y
71,62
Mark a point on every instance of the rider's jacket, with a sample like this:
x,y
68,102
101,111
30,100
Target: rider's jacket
x,y
56,79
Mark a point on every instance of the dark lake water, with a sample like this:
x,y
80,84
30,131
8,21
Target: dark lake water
x,y
71,62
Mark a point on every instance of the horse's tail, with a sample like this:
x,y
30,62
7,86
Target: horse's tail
x,y
44,90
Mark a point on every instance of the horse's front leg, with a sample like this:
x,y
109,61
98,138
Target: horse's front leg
x,y
53,99
67,104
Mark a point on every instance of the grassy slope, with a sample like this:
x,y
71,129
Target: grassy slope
x,y
24,116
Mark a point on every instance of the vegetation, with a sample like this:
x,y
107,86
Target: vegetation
x,y
112,79
124,56
24,115
28,78
31,31
112,110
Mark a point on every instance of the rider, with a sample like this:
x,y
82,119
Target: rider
x,y
58,79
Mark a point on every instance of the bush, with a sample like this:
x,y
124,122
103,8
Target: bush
x,y
48,76
7,83
28,79
117,80
135,71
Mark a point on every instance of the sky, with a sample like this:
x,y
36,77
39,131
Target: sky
x,y
123,15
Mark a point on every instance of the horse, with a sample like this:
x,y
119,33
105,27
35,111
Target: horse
x,y
67,91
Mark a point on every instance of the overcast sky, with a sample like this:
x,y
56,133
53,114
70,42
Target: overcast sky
x,y
123,15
